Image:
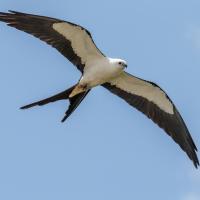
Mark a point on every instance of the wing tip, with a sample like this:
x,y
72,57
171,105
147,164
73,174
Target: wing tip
x,y
195,158
192,154
191,151
9,17
196,163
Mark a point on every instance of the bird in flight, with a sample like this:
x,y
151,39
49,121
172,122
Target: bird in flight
x,y
76,44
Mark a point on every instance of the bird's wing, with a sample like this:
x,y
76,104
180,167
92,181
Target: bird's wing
x,y
71,40
150,99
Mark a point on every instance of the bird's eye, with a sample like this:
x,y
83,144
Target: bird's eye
x,y
120,63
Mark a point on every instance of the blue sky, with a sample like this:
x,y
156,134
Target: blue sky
x,y
106,150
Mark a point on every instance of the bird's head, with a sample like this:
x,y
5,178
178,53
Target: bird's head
x,y
119,62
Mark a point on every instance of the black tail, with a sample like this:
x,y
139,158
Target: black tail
x,y
60,96
74,101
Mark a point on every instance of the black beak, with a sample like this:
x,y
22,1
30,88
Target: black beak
x,y
125,65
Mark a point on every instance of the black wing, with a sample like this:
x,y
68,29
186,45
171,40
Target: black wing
x,y
151,100
71,40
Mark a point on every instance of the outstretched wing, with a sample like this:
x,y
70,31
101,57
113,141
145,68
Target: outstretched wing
x,y
150,99
71,40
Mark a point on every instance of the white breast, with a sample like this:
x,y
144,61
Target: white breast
x,y
99,72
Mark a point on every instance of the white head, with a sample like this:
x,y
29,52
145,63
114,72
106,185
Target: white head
x,y
119,62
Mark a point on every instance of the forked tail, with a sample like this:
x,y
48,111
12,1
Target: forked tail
x,y
74,101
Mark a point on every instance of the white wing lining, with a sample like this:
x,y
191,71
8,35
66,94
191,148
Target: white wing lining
x,y
81,41
144,89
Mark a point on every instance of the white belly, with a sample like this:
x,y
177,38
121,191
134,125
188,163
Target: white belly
x,y
99,73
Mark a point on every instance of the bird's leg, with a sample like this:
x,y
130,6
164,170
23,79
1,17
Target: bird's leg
x,y
80,88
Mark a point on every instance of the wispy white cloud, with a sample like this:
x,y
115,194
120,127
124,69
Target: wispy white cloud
x,y
192,196
194,178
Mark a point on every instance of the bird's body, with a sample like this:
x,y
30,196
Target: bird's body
x,y
103,70
98,69
76,44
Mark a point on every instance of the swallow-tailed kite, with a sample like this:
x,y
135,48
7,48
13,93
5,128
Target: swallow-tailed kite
x,y
76,44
